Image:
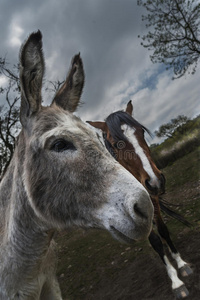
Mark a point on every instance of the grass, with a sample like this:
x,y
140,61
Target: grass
x,y
88,257
185,139
185,169
182,178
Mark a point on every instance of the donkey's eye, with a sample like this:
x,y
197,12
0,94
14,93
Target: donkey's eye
x,y
62,145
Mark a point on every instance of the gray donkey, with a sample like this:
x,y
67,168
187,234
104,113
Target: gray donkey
x,y
60,176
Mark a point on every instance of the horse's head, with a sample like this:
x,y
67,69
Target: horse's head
x,y
68,176
124,138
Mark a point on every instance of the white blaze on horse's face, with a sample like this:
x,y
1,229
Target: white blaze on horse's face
x,y
129,132
124,139
148,173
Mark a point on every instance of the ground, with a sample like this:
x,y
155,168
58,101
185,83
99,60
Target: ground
x,y
92,266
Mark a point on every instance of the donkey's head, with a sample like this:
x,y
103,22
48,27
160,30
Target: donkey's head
x,y
124,138
68,176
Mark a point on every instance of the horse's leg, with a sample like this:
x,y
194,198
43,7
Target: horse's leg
x,y
51,290
183,267
177,285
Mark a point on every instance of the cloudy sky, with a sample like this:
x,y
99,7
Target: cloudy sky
x,y
117,67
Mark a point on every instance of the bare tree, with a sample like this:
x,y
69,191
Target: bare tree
x,y
174,34
9,113
9,128
54,86
12,73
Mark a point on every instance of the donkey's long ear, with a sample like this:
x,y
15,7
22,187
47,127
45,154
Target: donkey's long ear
x,y
31,75
98,125
129,108
68,96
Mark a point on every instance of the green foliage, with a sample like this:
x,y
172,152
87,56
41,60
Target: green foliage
x,y
174,35
186,138
170,129
179,176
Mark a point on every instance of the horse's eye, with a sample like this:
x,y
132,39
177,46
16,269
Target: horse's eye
x,y
62,145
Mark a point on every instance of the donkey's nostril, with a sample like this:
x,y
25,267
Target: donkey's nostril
x,y
140,211
152,189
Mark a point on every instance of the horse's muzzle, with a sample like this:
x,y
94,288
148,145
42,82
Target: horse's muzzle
x,y
158,189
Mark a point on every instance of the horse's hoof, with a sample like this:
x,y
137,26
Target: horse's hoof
x,y
185,271
181,292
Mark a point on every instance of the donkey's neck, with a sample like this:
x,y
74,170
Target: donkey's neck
x,y
24,240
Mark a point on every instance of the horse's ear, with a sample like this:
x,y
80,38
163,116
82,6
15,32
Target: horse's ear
x,y
98,125
31,76
129,108
68,96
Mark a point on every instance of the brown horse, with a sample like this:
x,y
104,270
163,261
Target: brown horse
x,y
124,139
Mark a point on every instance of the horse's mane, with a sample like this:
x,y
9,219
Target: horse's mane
x,y
109,146
116,119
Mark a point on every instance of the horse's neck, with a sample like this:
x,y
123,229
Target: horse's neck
x,y
23,240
